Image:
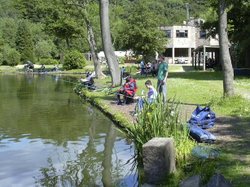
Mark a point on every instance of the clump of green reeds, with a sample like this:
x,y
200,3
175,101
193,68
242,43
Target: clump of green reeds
x,y
161,119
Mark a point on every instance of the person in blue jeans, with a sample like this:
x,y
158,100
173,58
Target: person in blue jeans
x,y
162,77
151,96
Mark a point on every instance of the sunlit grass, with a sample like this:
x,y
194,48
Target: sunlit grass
x,y
200,88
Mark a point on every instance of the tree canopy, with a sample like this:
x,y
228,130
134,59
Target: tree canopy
x,y
134,24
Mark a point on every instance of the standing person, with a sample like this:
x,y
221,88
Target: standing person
x,y
154,68
162,77
142,67
123,71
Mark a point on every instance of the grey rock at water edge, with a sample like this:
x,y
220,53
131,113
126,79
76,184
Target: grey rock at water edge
x,y
218,180
158,159
194,181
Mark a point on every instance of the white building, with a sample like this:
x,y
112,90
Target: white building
x,y
187,41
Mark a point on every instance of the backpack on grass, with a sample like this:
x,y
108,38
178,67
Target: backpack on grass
x,y
203,117
201,135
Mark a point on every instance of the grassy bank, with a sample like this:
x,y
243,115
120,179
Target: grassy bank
x,y
203,88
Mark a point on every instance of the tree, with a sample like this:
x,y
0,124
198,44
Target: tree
x,y
225,58
239,16
82,8
107,44
142,33
8,28
24,42
44,48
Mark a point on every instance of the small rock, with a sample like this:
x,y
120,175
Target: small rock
x,y
194,181
218,180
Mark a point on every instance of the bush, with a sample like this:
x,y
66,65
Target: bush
x,y
10,56
48,61
74,60
121,60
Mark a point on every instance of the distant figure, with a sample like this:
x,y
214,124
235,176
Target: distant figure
x,y
55,68
128,91
42,68
162,77
142,67
154,68
123,71
29,67
148,68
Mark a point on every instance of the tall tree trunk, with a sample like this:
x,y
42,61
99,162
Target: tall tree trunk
x,y
225,58
91,37
92,44
107,44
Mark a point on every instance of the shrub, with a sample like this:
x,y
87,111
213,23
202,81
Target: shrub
x,y
74,60
121,60
48,61
10,56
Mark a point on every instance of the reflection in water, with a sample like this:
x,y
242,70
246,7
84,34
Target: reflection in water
x,y
48,138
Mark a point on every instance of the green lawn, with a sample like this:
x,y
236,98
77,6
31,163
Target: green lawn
x,y
204,88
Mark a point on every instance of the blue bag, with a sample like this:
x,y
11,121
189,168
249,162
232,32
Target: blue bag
x,y
203,117
201,135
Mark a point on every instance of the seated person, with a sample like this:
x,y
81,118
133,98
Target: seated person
x,y
128,91
42,68
55,68
89,81
151,97
29,66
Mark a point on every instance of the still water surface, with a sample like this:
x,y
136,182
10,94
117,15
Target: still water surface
x,y
49,138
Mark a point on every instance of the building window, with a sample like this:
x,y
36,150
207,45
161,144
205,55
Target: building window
x,y
181,33
168,33
203,34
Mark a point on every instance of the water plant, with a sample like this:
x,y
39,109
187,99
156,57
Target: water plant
x,y
161,119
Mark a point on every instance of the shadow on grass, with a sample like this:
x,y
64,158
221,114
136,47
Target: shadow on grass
x,y
194,75
213,76
233,134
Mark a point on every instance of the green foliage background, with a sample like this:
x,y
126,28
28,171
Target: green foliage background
x,y
48,29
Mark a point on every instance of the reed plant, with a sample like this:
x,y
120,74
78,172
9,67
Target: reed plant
x,y
161,119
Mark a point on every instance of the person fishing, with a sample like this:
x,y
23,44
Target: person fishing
x,y
89,81
128,91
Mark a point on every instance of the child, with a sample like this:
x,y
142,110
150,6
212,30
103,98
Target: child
x,y
128,91
152,95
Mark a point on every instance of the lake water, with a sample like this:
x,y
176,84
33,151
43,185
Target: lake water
x,y
48,137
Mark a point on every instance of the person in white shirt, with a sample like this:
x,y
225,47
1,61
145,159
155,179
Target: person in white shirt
x,y
151,96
